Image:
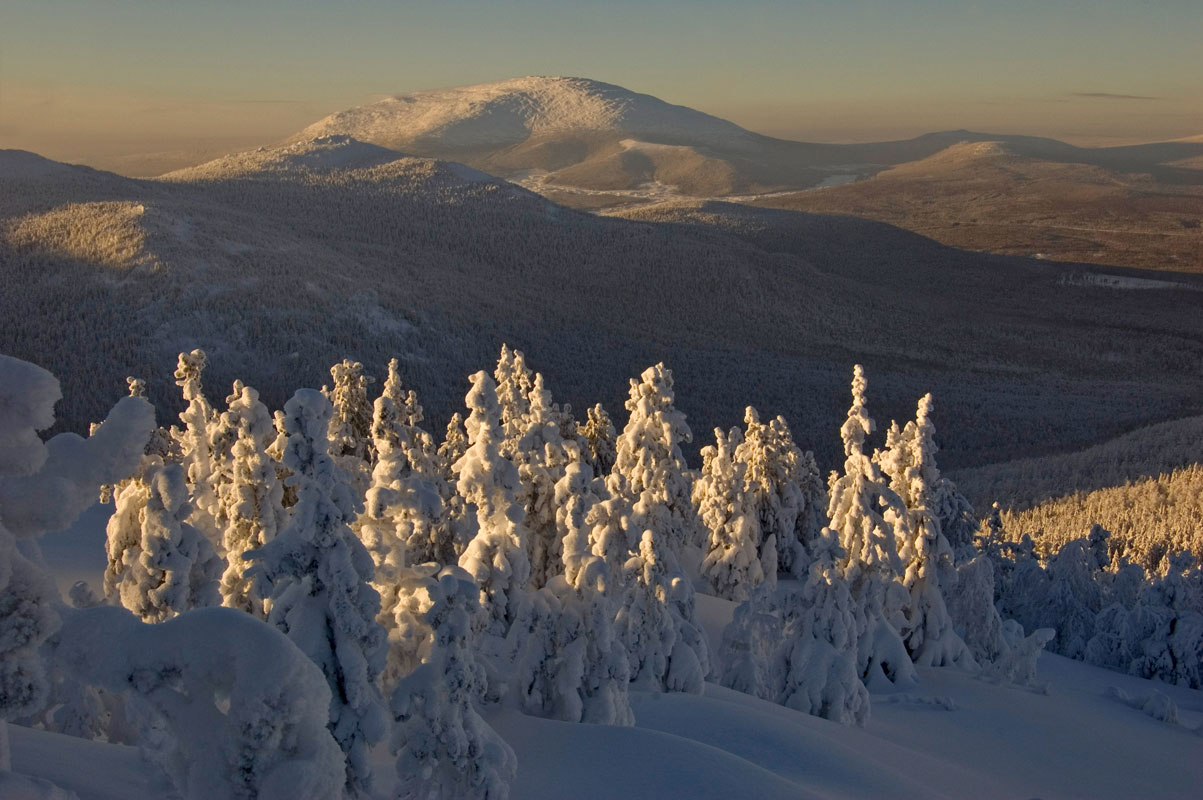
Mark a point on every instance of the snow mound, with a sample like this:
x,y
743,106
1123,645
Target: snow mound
x,y
512,111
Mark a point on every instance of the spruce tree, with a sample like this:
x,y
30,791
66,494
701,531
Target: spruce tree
x,y
319,576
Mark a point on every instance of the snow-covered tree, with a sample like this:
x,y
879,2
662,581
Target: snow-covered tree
x,y
871,563
455,444
645,620
159,565
576,493
931,637
1161,636
403,521
822,675
404,528
666,649
351,422
970,603
514,381
496,556
252,499
419,445
958,520
732,565
571,663
601,437
772,465
460,517
444,749
319,573
195,446
541,454
654,474
1075,592
609,523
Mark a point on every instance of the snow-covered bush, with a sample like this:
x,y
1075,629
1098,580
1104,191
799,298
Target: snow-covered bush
x,y
44,486
245,711
797,646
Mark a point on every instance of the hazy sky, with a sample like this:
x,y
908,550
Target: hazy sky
x,y
93,80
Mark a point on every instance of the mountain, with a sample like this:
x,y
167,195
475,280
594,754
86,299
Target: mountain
x,y
585,143
1013,198
281,261
589,144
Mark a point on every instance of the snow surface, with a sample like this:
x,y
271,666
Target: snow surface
x,y
511,111
999,742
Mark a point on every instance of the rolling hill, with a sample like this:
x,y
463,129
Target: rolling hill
x,y
1001,198
592,145
283,260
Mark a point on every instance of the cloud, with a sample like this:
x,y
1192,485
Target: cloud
x,y
1110,96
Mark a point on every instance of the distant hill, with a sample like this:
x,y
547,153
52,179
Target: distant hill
x,y
592,145
280,261
1008,197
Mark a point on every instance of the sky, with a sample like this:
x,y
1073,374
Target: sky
x,y
108,81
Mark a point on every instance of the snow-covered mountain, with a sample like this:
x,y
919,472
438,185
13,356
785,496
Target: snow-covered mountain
x,y
510,112
588,144
577,136
437,264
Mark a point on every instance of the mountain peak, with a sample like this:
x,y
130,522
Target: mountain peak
x,y
519,109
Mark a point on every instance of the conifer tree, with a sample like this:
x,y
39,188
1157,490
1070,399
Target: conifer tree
x,y
541,455
195,446
350,433
771,463
496,556
171,567
930,637
732,565
444,749
600,437
649,460
420,449
403,522
319,572
252,499
514,382
870,563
